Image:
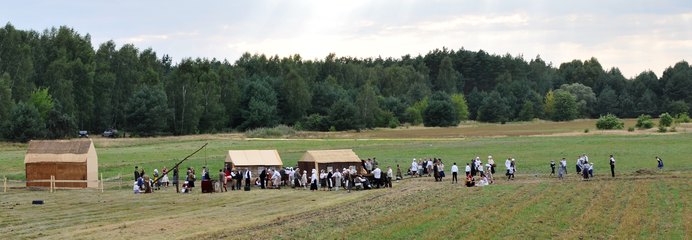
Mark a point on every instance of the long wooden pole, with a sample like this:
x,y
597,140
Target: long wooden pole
x,y
4,184
52,179
120,184
181,161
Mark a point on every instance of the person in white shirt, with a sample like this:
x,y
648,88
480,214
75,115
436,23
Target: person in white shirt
x,y
468,169
455,171
562,170
508,165
414,168
591,169
337,179
480,167
135,188
390,176
304,179
491,161
377,173
248,178
430,167
276,179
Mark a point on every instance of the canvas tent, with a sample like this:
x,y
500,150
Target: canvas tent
x,y
64,159
255,160
326,159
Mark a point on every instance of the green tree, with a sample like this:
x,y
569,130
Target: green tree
x,y
475,99
25,123
440,112
259,105
549,104
5,98
43,102
447,77
367,106
461,106
607,102
145,110
565,106
585,97
526,113
677,107
342,115
493,108
296,95
59,124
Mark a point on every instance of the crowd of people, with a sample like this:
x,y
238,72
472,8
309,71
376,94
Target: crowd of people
x,y
476,174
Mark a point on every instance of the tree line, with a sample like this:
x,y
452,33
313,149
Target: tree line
x,y
54,83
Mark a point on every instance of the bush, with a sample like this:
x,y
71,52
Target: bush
x,y
609,122
278,131
682,118
665,120
662,129
644,122
394,122
586,130
315,122
630,129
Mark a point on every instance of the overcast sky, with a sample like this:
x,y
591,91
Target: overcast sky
x,y
632,35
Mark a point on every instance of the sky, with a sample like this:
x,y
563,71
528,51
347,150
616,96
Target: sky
x,y
631,35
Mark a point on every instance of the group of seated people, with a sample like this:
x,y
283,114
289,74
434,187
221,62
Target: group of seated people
x,y
471,181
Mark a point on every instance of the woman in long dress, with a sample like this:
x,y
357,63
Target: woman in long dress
x,y
313,180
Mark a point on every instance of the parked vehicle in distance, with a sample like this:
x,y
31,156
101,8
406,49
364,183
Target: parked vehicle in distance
x,y
83,134
110,133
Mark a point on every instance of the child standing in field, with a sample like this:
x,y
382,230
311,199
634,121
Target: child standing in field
x,y
552,167
591,170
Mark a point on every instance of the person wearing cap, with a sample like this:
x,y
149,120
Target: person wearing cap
x,y
304,179
414,168
591,169
491,161
612,165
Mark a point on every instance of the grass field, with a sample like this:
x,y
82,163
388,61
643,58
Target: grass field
x,y
535,206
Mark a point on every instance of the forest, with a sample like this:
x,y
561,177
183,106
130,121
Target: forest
x,y
55,83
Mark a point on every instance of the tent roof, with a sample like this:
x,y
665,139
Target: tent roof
x,y
330,156
58,151
254,158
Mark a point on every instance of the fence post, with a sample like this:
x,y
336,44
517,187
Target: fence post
x,y
101,182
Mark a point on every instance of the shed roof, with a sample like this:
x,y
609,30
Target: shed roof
x,y
330,156
254,158
58,151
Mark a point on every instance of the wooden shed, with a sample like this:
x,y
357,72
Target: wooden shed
x,y
330,159
255,160
64,159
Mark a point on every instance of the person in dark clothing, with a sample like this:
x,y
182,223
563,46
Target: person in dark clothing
x,y
263,176
136,174
552,167
612,165
175,179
